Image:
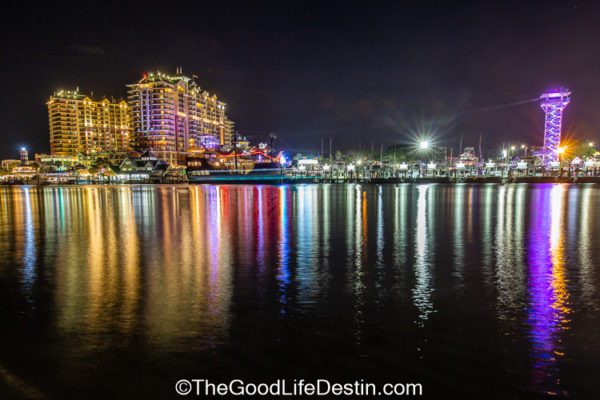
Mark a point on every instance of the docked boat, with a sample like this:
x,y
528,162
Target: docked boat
x,y
254,166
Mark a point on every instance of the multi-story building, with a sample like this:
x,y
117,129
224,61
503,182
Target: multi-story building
x,y
80,125
173,117
228,132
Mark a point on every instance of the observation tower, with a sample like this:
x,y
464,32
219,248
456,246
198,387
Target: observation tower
x,y
553,103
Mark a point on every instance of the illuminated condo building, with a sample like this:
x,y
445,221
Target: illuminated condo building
x,y
228,132
172,116
80,125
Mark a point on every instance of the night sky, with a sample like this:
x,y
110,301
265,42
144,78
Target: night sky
x,y
362,73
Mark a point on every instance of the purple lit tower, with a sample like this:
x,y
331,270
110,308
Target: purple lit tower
x,y
553,104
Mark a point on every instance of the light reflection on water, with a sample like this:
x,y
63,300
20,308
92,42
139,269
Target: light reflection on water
x,y
376,272
548,293
422,292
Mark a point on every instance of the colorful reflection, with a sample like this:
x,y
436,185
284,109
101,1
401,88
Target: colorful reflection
x,y
283,249
191,270
549,307
508,243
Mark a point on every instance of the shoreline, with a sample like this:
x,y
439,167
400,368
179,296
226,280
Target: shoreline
x,y
317,181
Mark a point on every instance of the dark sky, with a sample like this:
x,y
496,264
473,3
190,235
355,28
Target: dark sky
x,y
362,72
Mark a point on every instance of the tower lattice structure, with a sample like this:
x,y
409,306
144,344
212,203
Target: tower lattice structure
x,y
553,103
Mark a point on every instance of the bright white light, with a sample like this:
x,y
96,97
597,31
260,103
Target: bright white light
x,y
403,166
521,165
282,160
431,166
326,167
460,165
490,165
512,147
23,149
424,145
504,153
591,144
302,168
359,162
350,167
308,161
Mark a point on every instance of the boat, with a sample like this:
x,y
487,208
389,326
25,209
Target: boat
x,y
252,166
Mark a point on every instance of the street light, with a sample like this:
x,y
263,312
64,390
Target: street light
x,y
424,145
591,144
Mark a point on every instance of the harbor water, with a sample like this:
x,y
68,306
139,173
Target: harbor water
x,y
474,291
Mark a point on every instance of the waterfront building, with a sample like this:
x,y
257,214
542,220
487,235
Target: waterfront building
x,y
20,170
8,165
63,160
228,132
24,156
143,168
81,125
174,117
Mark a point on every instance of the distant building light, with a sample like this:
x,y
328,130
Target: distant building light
x,y
308,162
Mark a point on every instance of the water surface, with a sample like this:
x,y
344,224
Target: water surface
x,y
118,292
